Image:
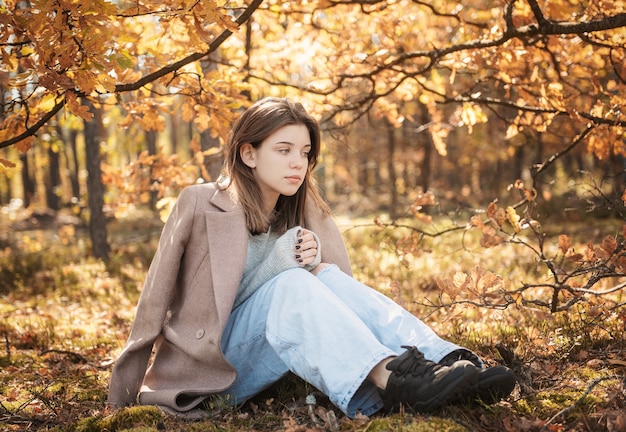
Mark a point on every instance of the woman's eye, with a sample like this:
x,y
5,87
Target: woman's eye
x,y
284,151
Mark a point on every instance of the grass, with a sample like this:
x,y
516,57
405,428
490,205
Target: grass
x,y
64,318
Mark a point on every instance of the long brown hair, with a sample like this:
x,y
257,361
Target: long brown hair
x,y
255,124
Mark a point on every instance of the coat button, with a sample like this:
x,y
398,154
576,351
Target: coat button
x,y
199,334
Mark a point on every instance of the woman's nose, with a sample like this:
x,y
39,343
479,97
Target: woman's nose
x,y
297,161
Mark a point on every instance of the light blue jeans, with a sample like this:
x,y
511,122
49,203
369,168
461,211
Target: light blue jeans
x,y
328,329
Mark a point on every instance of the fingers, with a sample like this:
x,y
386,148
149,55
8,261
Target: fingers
x,y
306,240
306,247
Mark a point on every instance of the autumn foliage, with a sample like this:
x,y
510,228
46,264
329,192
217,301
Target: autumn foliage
x,y
544,67
495,124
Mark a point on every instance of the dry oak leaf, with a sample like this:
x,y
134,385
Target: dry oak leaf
x,y
76,108
496,214
616,362
564,243
6,164
490,238
615,421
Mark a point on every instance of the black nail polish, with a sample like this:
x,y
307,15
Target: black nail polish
x,y
298,247
298,256
299,240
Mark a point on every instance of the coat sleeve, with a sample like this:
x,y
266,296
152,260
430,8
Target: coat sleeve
x,y
153,305
331,242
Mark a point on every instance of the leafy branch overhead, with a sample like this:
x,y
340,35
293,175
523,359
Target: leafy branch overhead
x,y
552,68
94,61
539,68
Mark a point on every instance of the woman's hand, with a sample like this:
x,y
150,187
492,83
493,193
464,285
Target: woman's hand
x,y
306,247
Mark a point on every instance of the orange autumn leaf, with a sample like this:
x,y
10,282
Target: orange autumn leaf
x,y
76,108
564,243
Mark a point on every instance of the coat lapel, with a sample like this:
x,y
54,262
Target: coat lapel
x,y
228,245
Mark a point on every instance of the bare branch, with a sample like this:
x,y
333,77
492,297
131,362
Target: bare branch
x,y
537,12
31,131
216,43
538,169
544,27
395,224
616,288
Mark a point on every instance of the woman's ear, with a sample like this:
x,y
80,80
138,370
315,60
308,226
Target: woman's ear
x,y
247,153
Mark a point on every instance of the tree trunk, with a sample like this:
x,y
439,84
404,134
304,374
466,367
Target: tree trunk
x,y
618,163
407,157
54,178
174,133
391,149
95,188
248,45
360,158
151,138
428,150
539,182
5,190
5,179
27,182
363,173
212,164
72,164
518,163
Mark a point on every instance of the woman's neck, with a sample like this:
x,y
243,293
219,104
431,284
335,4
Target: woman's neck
x,y
269,205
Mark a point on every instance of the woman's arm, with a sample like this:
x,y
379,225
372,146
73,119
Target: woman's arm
x,y
295,248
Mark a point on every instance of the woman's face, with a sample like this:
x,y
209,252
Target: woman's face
x,y
280,163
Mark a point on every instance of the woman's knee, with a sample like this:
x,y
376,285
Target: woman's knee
x,y
296,280
292,273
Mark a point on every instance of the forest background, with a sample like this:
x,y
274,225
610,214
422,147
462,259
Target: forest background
x,y
474,154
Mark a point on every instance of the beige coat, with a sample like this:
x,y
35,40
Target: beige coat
x,y
187,298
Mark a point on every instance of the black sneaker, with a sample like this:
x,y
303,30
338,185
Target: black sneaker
x,y
493,384
461,354
425,386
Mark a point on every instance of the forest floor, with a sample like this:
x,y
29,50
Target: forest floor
x,y
64,318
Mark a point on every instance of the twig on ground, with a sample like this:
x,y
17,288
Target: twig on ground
x,y
580,400
28,422
77,358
